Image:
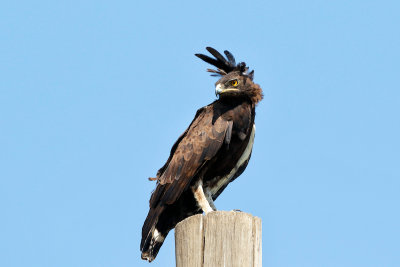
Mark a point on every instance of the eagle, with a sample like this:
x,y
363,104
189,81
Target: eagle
x,y
212,152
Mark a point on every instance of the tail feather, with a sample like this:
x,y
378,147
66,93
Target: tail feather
x,y
152,245
161,219
152,238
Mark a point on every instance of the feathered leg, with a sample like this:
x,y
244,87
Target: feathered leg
x,y
203,199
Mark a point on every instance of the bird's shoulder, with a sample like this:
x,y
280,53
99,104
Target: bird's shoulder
x,y
198,143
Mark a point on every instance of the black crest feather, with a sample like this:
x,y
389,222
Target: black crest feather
x,y
224,65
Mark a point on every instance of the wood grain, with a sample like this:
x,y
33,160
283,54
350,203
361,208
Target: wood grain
x,y
220,238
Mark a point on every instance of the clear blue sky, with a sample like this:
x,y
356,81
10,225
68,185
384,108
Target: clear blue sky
x,y
94,93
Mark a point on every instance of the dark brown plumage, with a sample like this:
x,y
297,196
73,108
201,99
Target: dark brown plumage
x,y
212,152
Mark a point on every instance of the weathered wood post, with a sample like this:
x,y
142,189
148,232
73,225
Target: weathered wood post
x,y
220,238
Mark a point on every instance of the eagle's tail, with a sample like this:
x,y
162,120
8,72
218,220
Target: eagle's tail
x,y
162,218
152,238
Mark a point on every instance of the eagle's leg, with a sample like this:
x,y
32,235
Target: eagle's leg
x,y
204,201
209,198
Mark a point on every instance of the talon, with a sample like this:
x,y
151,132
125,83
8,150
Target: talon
x,y
237,210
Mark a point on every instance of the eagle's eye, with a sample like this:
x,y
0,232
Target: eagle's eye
x,y
234,83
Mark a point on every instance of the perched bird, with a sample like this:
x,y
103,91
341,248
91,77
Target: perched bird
x,y
212,152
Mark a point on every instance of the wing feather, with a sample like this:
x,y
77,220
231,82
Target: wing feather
x,y
198,144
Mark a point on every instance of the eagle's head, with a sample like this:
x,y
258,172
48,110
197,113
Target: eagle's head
x,y
236,80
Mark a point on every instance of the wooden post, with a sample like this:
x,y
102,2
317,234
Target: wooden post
x,y
220,238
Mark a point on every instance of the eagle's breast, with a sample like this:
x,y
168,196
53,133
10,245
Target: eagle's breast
x,y
219,183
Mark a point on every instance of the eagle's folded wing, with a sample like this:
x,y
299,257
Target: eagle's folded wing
x,y
198,144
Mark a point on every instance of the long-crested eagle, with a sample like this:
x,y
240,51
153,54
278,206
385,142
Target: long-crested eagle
x,y
212,152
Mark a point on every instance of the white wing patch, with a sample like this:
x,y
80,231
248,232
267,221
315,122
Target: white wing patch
x,y
157,236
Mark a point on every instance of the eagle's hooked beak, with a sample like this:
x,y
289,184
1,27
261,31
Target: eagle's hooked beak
x,y
218,89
